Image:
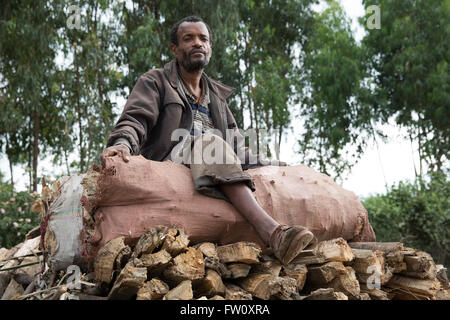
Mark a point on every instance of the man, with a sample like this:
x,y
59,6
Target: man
x,y
181,96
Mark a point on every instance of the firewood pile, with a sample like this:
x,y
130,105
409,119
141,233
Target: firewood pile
x,y
163,265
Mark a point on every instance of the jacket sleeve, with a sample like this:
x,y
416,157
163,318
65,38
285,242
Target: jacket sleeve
x,y
248,159
139,115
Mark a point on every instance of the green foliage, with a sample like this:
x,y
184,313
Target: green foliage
x,y
16,218
331,85
416,213
409,58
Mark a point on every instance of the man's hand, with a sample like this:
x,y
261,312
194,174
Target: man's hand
x,y
120,149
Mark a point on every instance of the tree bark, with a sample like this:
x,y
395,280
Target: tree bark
x,y
36,130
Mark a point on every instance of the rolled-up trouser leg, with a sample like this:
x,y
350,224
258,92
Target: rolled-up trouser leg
x,y
214,162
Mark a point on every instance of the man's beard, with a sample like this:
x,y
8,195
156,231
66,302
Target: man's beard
x,y
193,66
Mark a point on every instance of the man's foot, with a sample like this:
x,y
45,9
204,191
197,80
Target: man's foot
x,y
288,241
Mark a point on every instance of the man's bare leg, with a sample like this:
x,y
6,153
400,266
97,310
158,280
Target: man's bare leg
x,y
242,198
285,241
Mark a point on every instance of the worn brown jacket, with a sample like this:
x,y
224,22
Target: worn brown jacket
x,y
157,106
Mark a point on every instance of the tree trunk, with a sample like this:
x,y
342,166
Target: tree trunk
x,y
36,130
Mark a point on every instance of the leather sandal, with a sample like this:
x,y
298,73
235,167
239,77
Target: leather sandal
x,y
288,241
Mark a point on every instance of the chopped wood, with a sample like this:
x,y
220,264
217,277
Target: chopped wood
x,y
181,292
421,266
129,281
175,242
326,294
442,295
154,289
245,252
234,292
208,249
369,264
238,270
150,240
210,285
155,262
288,289
217,298
395,261
261,285
33,233
346,283
267,265
324,274
335,250
5,278
105,259
426,288
122,258
386,247
12,291
297,272
441,276
186,266
309,260
374,293
4,254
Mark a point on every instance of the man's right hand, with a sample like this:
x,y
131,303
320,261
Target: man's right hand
x,y
119,149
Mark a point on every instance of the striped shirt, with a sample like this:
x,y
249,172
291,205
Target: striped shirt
x,y
202,121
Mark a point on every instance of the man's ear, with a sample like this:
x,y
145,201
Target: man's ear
x,y
173,48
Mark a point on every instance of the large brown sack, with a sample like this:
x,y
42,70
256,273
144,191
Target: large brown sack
x,y
141,194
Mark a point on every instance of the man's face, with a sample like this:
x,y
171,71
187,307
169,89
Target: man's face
x,y
194,49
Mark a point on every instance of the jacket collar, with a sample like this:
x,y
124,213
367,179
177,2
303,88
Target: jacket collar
x,y
221,90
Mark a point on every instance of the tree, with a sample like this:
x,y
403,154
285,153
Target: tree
x,y
27,77
337,120
409,59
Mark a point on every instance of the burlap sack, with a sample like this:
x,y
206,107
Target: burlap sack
x,y
141,194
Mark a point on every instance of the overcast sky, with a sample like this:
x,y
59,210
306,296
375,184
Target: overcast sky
x,y
385,164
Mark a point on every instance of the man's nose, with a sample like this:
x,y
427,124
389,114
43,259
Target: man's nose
x,y
197,42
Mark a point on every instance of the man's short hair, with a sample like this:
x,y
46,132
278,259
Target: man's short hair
x,y
174,31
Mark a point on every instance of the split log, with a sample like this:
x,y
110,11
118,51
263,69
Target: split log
x,y
386,247
122,258
234,292
4,254
326,294
442,295
267,265
369,264
441,276
181,292
154,289
238,270
288,289
13,290
297,272
129,281
245,252
150,240
210,285
374,293
5,278
212,259
175,242
186,266
335,250
346,283
208,249
420,266
324,274
155,262
261,285
106,258
414,287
